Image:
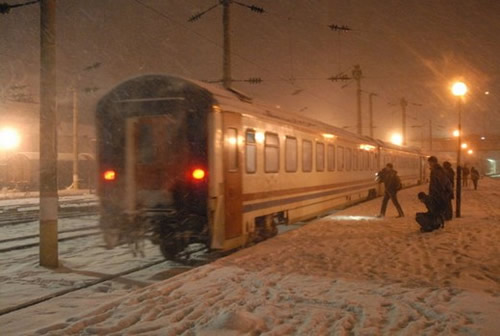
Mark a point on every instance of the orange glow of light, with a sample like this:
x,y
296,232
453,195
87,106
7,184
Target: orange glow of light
x,y
459,89
366,147
470,151
198,174
456,133
397,139
109,175
464,145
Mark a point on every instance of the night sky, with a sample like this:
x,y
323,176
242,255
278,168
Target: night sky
x,y
411,48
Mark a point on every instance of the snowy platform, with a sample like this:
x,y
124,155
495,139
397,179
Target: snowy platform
x,y
347,273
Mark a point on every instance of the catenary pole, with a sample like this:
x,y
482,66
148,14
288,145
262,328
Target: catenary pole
x,y
403,104
370,110
75,140
48,136
356,74
226,62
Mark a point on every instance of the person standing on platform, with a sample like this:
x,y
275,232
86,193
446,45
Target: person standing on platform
x,y
465,176
474,176
440,188
451,176
392,184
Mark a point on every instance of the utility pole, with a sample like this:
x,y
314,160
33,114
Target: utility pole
x,y
75,140
48,136
226,62
226,25
404,103
430,136
370,111
356,74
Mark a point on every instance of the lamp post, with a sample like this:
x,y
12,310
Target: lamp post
x,y
459,89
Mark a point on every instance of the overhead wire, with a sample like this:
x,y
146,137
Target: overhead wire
x,y
287,80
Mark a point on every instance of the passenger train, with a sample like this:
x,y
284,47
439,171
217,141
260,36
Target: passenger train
x,y
184,162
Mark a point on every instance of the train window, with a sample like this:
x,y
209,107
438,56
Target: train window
x,y
330,157
340,158
320,156
232,149
348,159
290,154
271,153
251,152
355,159
145,144
306,155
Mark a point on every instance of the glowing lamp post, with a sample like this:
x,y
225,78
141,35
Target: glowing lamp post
x,y
459,89
9,139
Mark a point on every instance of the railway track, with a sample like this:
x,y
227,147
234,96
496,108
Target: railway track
x,y
29,241
25,214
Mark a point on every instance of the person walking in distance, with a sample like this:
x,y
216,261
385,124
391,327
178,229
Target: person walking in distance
x,y
392,184
465,176
440,188
474,176
451,176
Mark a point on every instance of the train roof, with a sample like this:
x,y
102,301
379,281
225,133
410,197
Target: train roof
x,y
229,100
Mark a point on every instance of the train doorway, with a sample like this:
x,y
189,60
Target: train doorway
x,y
232,175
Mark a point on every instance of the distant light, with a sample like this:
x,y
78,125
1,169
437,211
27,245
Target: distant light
x,y
470,151
109,175
486,92
366,147
259,137
456,133
328,136
232,140
9,138
397,139
459,89
483,138
464,145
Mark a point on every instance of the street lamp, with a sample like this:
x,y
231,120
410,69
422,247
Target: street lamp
x,y
459,89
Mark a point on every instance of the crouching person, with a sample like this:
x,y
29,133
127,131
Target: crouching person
x,y
433,218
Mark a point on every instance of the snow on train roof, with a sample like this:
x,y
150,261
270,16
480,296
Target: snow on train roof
x,y
233,100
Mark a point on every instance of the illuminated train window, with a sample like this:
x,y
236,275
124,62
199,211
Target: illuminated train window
x,y
340,158
271,153
232,149
348,159
330,157
354,159
290,154
320,156
306,155
251,152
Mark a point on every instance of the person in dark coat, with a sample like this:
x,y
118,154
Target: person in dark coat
x,y
440,188
465,176
451,176
392,184
474,176
430,220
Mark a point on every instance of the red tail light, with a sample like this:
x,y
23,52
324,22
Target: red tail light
x,y
109,175
198,174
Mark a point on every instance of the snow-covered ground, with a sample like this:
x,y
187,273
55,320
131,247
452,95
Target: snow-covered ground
x,y
347,273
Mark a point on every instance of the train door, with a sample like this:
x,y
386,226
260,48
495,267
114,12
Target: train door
x,y
232,175
149,162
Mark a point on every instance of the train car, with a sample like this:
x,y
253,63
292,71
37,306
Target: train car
x,y
21,171
184,162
